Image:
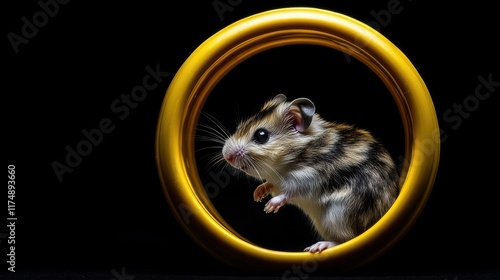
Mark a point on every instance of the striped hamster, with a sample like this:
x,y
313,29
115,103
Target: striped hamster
x,y
340,176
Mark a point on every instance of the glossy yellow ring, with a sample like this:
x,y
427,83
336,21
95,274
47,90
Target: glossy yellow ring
x,y
215,57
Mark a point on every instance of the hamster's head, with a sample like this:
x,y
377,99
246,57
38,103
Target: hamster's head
x,y
263,144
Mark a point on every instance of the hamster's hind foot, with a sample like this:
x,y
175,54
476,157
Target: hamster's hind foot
x,y
320,246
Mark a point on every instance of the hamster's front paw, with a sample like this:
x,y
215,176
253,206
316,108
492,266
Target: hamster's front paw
x,y
262,191
274,204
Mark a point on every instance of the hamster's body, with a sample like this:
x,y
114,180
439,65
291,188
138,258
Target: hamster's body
x,y
338,175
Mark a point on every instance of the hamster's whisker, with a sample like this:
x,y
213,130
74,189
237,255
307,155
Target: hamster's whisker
x,y
209,148
262,165
222,130
216,161
211,160
212,134
216,134
254,166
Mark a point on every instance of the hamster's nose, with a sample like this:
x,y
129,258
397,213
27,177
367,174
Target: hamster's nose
x,y
229,158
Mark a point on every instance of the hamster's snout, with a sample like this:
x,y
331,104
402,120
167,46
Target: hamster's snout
x,y
234,155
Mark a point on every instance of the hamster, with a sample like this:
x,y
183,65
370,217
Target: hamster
x,y
340,176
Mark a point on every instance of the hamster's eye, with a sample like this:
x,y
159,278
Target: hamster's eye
x,y
261,136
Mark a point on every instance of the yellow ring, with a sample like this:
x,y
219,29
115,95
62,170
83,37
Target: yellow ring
x,y
215,57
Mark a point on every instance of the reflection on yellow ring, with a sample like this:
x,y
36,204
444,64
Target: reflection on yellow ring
x,y
215,57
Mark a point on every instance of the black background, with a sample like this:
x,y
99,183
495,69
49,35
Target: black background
x,y
110,214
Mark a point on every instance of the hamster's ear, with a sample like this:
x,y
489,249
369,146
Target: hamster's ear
x,y
279,98
301,111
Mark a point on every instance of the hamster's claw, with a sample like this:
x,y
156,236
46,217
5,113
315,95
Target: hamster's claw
x,y
262,191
